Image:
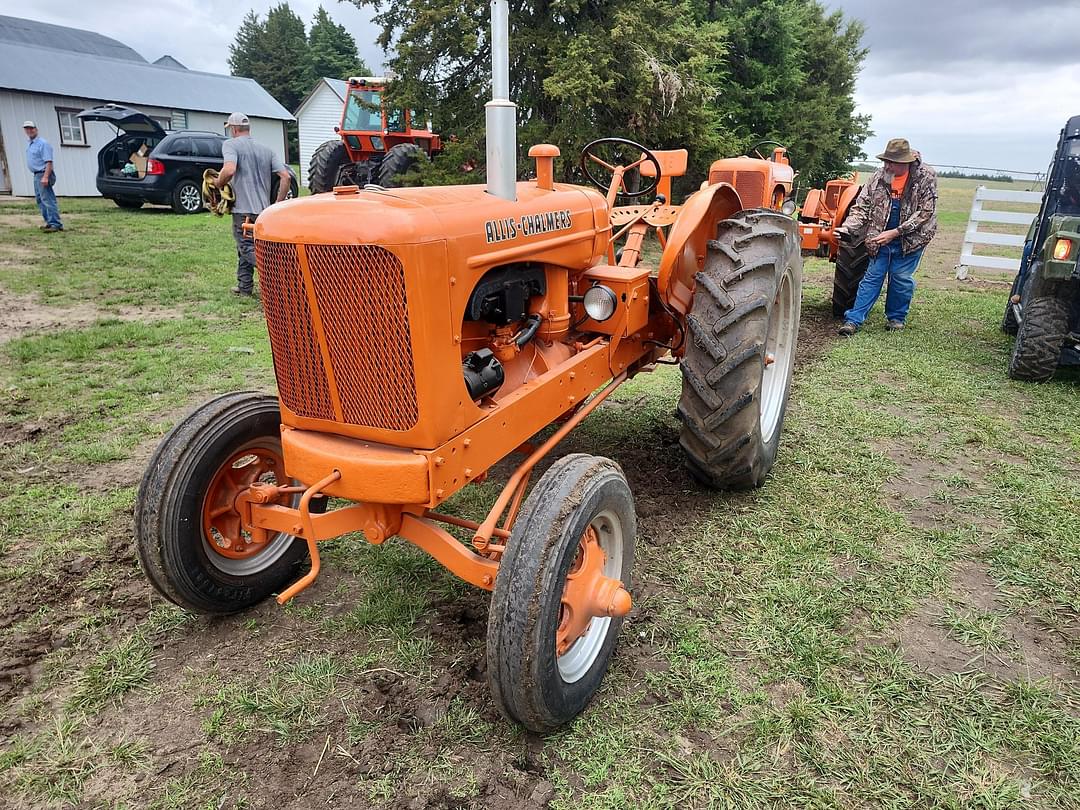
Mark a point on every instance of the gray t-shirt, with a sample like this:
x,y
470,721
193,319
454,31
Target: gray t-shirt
x,y
255,166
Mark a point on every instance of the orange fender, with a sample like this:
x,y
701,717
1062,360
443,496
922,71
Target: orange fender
x,y
688,241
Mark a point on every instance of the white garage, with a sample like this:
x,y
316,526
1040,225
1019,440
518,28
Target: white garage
x,y
317,116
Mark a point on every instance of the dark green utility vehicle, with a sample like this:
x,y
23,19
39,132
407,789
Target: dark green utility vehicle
x,y
1043,310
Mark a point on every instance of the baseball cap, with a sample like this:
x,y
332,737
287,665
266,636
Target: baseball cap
x,y
29,124
238,119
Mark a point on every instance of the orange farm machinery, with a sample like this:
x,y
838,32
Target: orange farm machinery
x,y
376,144
822,211
422,335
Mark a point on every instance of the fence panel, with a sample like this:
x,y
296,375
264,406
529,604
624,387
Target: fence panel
x,y
973,236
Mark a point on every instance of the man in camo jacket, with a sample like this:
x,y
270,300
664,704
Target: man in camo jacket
x,y
896,212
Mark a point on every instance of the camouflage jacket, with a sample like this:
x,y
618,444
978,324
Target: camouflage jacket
x,y
869,215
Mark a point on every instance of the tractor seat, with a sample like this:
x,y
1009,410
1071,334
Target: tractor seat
x,y
661,217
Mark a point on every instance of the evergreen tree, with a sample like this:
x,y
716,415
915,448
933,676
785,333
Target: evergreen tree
x,y
274,53
332,51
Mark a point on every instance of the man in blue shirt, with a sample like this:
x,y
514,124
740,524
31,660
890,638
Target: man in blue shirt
x,y
39,160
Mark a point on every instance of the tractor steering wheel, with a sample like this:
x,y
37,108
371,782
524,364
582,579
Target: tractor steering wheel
x,y
754,149
637,153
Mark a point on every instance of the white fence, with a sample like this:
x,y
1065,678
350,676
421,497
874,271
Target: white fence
x,y
973,236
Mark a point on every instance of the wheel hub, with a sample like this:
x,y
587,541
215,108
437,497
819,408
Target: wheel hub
x,y
588,593
222,526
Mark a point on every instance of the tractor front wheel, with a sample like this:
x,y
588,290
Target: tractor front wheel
x,y
397,163
740,350
562,592
331,166
192,544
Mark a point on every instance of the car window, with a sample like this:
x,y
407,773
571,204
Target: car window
x,y
208,147
182,147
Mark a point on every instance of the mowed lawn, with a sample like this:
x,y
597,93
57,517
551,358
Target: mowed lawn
x,y
893,620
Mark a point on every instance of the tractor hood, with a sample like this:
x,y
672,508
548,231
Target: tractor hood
x,y
124,118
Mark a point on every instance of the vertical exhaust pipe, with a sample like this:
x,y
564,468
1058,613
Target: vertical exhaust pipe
x,y
500,112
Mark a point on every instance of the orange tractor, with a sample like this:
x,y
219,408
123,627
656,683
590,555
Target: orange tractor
x,y
421,335
824,210
377,143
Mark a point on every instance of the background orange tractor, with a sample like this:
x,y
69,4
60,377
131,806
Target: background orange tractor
x,y
421,335
822,211
377,143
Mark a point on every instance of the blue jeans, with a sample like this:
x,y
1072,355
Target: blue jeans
x,y
900,269
46,200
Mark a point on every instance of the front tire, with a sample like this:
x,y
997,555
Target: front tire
x,y
330,166
187,197
1042,332
740,351
191,545
577,521
397,162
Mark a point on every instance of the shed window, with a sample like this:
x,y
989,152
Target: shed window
x,y
71,128
179,119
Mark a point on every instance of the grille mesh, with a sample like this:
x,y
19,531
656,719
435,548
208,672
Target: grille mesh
x,y
297,360
750,185
360,290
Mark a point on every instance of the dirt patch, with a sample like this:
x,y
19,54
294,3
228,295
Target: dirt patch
x,y
817,332
25,315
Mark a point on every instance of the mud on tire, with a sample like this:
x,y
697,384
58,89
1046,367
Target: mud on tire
x,y
529,681
174,551
746,305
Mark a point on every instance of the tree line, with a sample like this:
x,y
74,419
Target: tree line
x,y
714,76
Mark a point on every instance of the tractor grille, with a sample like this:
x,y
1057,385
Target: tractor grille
x,y
749,185
361,305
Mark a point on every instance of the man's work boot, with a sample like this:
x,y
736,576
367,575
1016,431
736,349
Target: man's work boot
x,y
848,329
247,293
51,229
894,326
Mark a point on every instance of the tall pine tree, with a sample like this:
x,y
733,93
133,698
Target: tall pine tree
x,y
274,53
332,51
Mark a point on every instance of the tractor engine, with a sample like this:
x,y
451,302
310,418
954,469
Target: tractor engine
x,y
399,316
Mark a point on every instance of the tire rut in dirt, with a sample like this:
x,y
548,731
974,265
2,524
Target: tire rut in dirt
x,y
755,254
1040,337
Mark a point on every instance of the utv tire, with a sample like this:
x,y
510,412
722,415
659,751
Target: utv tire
x,y
745,313
330,166
851,263
128,203
182,561
1042,332
529,681
187,197
397,162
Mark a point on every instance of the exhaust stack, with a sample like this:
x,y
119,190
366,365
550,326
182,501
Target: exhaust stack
x,y
500,112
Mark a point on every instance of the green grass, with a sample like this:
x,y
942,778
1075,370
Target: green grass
x,y
786,645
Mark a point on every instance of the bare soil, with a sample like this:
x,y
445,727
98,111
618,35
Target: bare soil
x,y
25,315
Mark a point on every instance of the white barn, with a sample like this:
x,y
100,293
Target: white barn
x,y
317,116
48,73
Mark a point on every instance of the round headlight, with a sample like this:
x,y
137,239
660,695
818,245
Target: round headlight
x,y
600,302
788,208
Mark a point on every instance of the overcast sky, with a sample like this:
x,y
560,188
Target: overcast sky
x,y
972,82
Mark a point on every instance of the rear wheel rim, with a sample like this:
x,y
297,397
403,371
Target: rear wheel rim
x,y
190,198
779,355
586,649
227,546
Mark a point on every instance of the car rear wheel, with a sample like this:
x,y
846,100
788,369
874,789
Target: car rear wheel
x,y
187,198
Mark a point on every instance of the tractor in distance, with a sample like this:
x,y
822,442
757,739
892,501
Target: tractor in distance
x,y
1043,310
822,212
421,335
376,144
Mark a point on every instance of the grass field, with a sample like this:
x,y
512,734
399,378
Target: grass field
x,y
893,620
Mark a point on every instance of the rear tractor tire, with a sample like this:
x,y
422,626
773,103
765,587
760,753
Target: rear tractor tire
x,y
852,259
191,544
740,350
548,647
397,162
331,166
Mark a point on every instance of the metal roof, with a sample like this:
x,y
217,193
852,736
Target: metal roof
x,y
339,86
170,62
93,76
59,37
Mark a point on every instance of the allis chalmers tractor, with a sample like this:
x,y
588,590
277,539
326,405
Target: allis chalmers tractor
x,y
421,335
824,210
1043,309
377,144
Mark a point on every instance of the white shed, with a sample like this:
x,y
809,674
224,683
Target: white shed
x,y
48,73
317,116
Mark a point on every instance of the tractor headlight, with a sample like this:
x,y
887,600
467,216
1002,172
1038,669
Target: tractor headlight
x,y
788,208
1062,249
600,302
376,143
